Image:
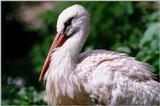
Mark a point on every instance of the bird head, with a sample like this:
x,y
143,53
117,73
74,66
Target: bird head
x,y
72,20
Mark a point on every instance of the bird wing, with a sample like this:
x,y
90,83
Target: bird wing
x,y
115,78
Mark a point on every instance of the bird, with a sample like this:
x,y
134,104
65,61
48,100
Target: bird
x,y
96,77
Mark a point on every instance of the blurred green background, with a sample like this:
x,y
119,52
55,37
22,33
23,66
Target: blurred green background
x,y
28,29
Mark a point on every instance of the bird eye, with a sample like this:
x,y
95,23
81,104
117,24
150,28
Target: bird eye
x,y
68,22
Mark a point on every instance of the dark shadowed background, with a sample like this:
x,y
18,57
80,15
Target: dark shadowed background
x,y
28,29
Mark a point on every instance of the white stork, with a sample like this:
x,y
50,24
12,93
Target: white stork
x,y
95,77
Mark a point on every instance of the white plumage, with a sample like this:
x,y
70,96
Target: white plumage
x,y
94,77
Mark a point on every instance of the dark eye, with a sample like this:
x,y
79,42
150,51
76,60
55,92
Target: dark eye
x,y
68,22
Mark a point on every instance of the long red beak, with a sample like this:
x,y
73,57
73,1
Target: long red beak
x,y
58,41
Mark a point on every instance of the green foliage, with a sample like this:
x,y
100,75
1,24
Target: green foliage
x,y
149,43
22,96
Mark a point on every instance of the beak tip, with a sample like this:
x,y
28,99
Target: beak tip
x,y
40,78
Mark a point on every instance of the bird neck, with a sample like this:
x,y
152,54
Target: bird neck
x,y
65,58
73,46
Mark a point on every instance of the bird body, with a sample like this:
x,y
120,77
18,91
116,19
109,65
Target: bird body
x,y
94,77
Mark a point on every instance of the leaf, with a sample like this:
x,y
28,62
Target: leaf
x,y
155,16
124,49
151,33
